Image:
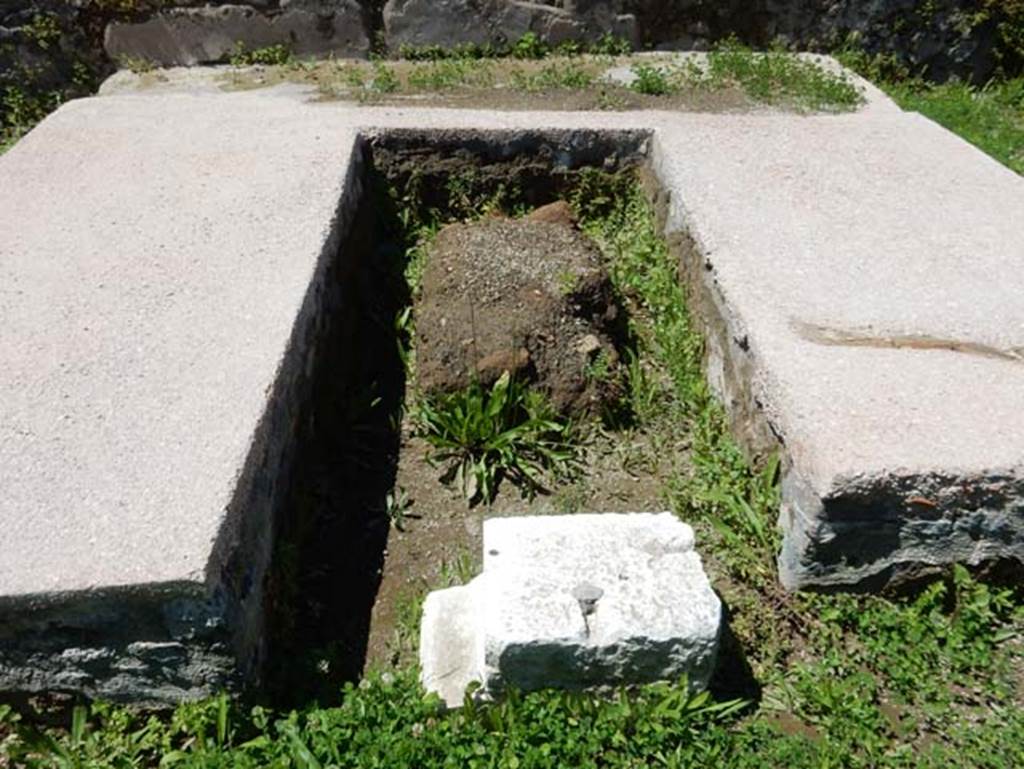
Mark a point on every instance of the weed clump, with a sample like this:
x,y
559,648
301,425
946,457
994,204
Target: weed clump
x,y
482,435
771,77
650,80
270,55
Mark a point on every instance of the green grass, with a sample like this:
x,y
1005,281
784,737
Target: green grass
x,y
922,683
770,77
270,55
652,80
991,118
451,73
555,75
736,502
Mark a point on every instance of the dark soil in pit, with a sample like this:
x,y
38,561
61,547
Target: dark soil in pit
x,y
435,538
530,296
370,528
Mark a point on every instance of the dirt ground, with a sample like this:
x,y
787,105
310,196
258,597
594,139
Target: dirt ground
x,y
506,84
530,296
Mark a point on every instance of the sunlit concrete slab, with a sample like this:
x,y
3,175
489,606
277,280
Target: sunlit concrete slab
x,y
159,281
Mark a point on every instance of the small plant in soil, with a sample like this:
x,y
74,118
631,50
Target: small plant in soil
x,y
651,80
384,79
397,503
267,56
529,46
482,435
564,74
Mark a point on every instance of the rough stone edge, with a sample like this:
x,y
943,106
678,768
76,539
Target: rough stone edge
x,y
829,542
146,644
163,643
489,657
566,148
448,670
729,363
502,22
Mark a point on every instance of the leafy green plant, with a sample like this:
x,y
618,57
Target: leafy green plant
x,y
736,503
270,55
44,30
136,64
644,394
397,504
529,46
600,368
458,570
411,52
384,78
610,45
777,76
556,75
353,76
484,434
650,80
465,51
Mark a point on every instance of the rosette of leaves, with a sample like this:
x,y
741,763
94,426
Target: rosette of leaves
x,y
482,434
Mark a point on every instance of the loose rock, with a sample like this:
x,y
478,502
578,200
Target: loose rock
x,y
574,602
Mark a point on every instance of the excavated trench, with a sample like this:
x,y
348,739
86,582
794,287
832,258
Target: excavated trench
x,y
343,575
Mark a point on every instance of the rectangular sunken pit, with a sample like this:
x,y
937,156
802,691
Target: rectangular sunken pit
x,y
202,374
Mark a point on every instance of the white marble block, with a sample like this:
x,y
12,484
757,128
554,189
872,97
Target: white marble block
x,y
573,602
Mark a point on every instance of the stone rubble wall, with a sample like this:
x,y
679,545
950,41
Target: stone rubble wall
x,y
55,49
186,36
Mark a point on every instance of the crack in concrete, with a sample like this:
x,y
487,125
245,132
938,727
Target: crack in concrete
x,y
847,338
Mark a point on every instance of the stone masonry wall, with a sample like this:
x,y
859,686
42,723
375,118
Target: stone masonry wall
x,y
54,49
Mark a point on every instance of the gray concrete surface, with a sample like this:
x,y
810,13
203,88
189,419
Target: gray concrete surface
x,y
862,279
859,275
159,274
573,602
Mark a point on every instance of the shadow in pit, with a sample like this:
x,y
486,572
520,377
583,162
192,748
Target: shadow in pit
x,y
333,532
733,678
